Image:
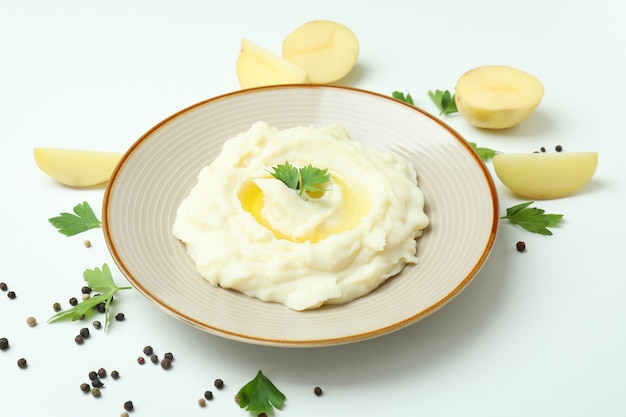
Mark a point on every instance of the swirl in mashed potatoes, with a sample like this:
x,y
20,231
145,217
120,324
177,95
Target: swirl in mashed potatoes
x,y
247,231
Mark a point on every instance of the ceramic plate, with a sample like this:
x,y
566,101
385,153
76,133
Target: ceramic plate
x,y
158,171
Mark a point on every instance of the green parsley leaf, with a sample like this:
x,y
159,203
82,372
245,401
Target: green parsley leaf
x,y
307,179
484,153
260,395
99,280
72,224
444,101
402,97
532,219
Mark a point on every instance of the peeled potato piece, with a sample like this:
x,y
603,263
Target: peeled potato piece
x,y
77,168
497,96
326,50
258,67
543,175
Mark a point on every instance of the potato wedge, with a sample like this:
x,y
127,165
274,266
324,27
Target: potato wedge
x,y
545,175
258,67
77,168
497,96
326,50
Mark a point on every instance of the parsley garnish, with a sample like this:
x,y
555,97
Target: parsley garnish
x,y
71,224
484,153
307,179
444,101
532,219
99,280
260,395
402,97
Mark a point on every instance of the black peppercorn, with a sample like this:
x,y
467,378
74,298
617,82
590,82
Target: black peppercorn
x,y
317,391
84,332
84,387
97,383
79,340
73,301
11,295
56,306
148,350
101,307
154,359
22,363
102,373
543,149
93,375
3,286
85,290
558,148
115,374
120,317
4,343
219,384
520,246
128,406
166,363
208,395
169,356
262,415
97,325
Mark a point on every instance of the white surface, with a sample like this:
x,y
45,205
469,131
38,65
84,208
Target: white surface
x,y
539,333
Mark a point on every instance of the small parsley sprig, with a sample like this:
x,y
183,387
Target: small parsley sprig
x,y
399,95
444,100
99,280
260,395
81,220
485,154
307,179
532,219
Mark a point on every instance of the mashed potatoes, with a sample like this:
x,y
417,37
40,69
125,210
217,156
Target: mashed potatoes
x,y
246,230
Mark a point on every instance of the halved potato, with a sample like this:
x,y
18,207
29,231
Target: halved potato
x,y
545,175
77,168
326,50
497,96
257,67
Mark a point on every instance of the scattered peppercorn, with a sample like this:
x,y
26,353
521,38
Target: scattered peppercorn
x,y
208,395
558,148
93,375
317,391
97,325
73,301
128,406
87,243
95,392
115,374
84,387
219,384
154,359
148,350
79,340
4,343
521,246
166,363
85,297
4,286
262,415
124,414
543,149
84,332
202,402
101,307
120,317
97,383
85,290
11,295
169,356
102,373
31,321
56,306
22,363
141,360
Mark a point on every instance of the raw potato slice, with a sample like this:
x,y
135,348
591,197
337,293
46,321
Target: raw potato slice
x,y
545,176
257,67
326,50
77,168
496,96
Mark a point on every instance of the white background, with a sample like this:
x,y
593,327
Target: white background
x,y
540,333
